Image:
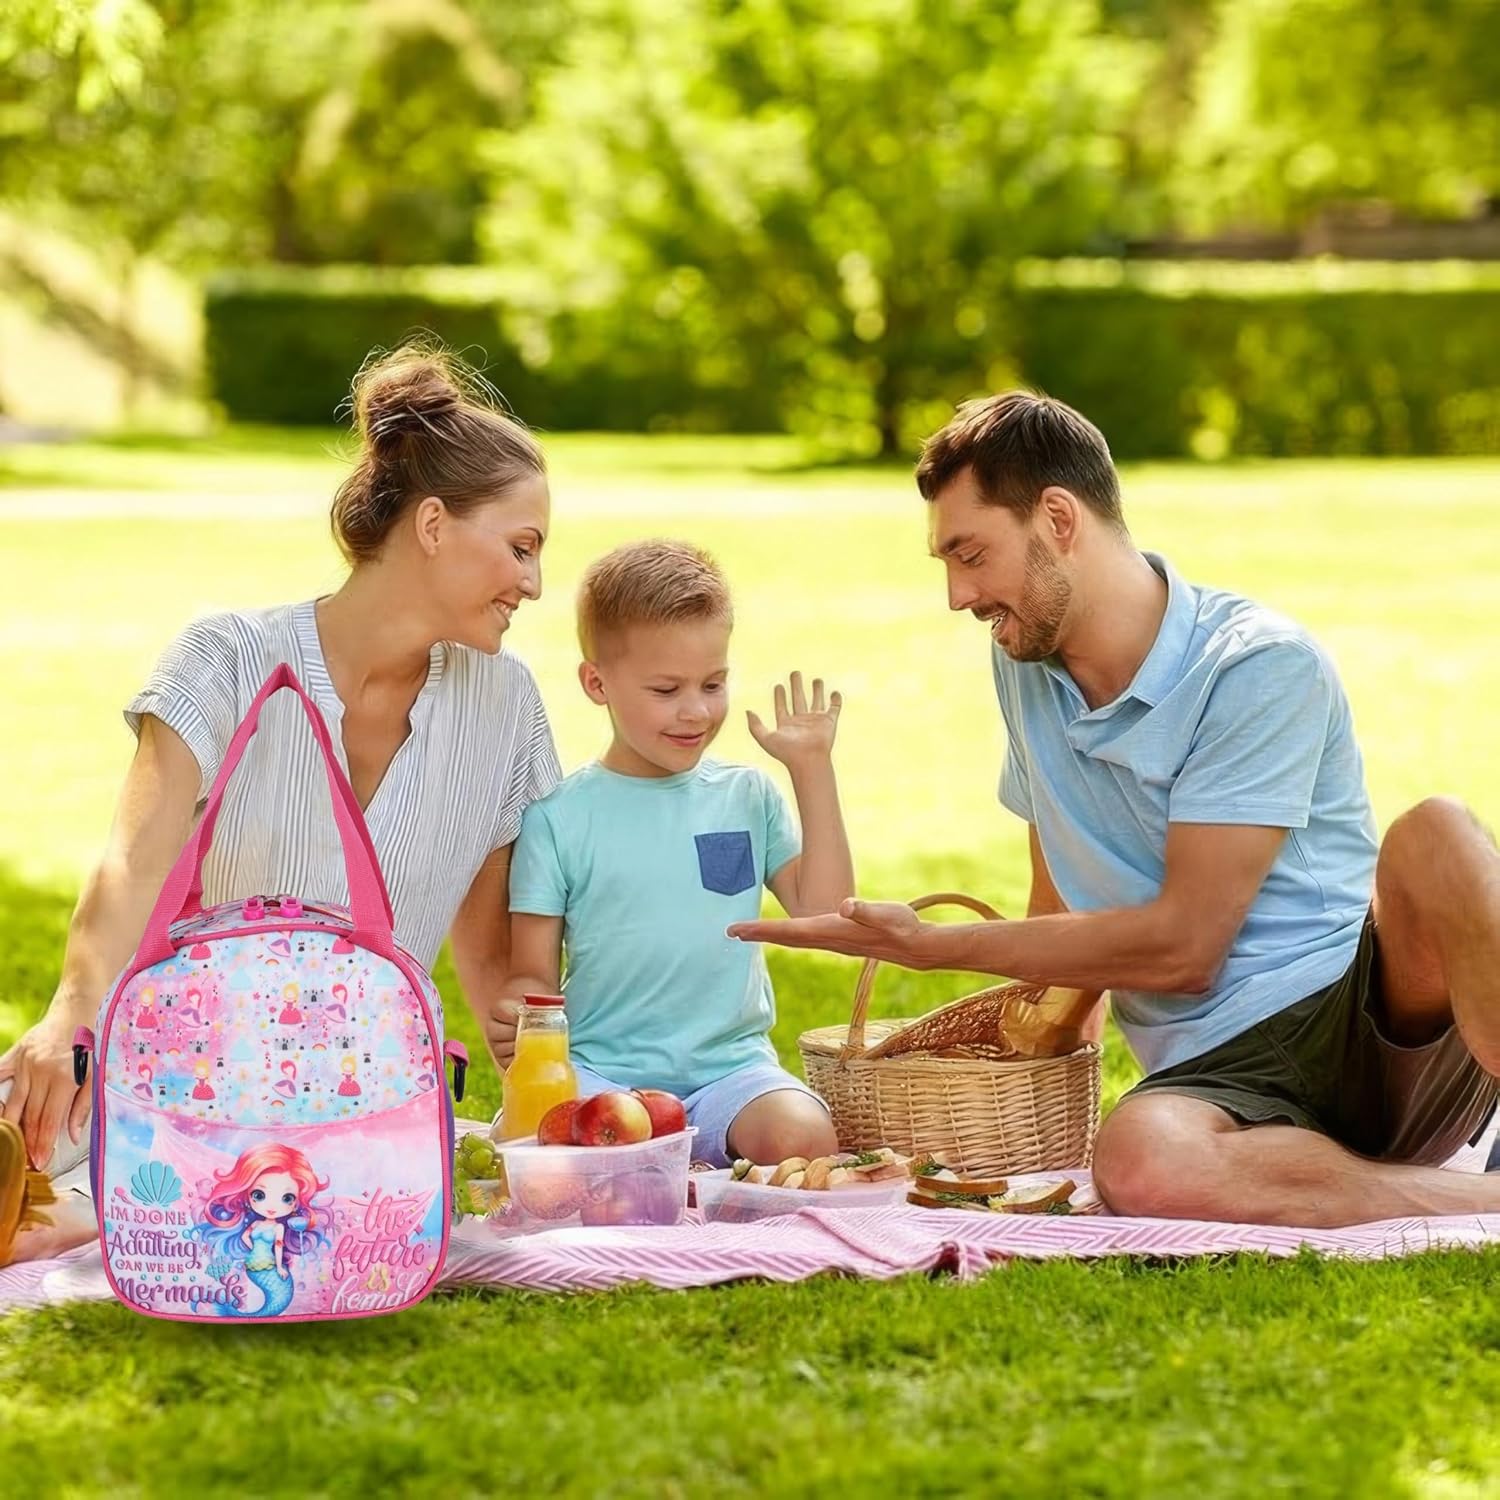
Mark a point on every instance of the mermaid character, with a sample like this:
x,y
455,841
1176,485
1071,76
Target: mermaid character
x,y
262,1209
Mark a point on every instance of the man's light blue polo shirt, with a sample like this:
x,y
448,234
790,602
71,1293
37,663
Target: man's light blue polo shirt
x,y
1235,716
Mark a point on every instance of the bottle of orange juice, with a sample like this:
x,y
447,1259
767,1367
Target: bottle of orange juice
x,y
540,1074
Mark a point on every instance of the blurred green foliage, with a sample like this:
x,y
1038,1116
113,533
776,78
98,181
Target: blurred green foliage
x,y
830,190
97,53
1301,103
806,208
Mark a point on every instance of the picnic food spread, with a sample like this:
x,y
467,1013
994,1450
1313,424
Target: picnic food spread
x,y
879,1178
597,1162
824,1173
935,1186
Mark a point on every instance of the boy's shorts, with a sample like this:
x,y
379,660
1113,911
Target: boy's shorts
x,y
712,1109
1327,1064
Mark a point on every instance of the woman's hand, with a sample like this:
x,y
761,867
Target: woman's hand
x,y
43,1096
803,734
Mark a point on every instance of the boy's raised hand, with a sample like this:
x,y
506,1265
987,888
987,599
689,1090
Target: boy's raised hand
x,y
804,732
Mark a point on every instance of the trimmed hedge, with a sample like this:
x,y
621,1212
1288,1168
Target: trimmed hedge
x,y
1255,359
283,343
1170,359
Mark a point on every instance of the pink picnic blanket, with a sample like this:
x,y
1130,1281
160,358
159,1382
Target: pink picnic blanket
x,y
875,1242
884,1242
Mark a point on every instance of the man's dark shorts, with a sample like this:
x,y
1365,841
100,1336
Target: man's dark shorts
x,y
1326,1064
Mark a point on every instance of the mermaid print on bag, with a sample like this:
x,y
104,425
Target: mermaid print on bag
x,y
262,1213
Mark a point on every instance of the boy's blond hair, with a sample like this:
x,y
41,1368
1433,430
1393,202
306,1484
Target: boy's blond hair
x,y
656,582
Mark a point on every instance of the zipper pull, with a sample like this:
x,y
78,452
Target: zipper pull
x,y
460,1058
83,1048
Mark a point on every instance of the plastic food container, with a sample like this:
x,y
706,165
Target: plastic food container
x,y
562,1187
722,1199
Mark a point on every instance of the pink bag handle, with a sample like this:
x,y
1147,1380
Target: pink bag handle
x,y
338,785
369,902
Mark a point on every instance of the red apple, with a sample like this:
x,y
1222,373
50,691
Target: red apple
x,y
612,1119
556,1128
666,1111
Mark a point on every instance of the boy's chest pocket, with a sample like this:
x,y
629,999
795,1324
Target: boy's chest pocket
x,y
726,862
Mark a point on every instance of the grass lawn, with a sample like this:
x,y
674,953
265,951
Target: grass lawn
x,y
1219,1379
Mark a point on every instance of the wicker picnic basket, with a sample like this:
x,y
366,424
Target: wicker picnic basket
x,y
950,1085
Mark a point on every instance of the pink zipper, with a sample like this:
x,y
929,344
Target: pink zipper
x,y
204,922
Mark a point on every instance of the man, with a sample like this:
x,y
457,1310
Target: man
x,y
1318,1014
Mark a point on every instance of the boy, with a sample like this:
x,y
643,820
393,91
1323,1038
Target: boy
x,y
637,863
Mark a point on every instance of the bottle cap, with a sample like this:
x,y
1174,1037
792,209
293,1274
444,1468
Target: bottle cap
x,y
545,1001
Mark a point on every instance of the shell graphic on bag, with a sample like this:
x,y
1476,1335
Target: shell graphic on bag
x,y
272,1132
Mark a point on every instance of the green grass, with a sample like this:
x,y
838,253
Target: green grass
x,y
1209,1379
1217,1379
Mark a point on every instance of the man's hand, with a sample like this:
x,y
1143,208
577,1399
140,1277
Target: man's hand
x,y
805,733
500,1031
43,1096
888,930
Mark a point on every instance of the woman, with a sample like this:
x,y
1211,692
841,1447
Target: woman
x,y
445,739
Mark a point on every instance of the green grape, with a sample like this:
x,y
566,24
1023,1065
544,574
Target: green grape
x,y
477,1154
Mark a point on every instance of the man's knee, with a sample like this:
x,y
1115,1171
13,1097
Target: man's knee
x,y
1156,1156
1422,842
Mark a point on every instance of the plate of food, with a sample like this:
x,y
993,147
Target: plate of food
x,y
935,1186
850,1179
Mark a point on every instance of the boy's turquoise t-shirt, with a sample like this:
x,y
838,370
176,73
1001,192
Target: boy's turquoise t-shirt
x,y
646,874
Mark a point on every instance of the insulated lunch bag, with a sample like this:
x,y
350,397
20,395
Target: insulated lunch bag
x,y
272,1137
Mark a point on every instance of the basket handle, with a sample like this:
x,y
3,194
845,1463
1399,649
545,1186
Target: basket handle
x,y
854,1044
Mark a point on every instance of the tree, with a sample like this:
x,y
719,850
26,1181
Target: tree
x,y
272,129
252,130
103,49
185,164
390,170
1300,104
827,194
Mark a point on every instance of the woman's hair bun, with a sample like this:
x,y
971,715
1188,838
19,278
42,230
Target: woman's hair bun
x,y
403,394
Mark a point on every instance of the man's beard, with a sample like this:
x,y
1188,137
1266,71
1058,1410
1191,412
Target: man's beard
x,y
1042,608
